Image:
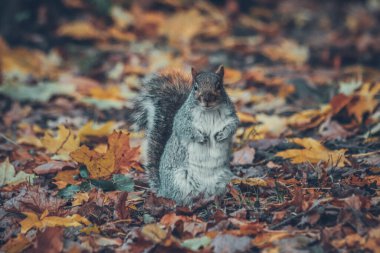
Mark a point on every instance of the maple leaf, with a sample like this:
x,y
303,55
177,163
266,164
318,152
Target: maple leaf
x,y
8,174
119,155
98,165
313,152
125,156
63,144
365,101
32,220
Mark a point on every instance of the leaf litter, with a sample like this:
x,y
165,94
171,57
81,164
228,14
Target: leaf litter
x,y
306,155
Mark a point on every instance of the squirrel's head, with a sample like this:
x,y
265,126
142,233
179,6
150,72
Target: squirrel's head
x,y
208,87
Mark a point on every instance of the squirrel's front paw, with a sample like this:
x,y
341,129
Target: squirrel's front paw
x,y
221,135
200,137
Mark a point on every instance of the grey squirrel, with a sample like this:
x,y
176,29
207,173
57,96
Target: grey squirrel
x,y
189,122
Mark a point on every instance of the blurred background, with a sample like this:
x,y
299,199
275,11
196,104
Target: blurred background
x,y
96,52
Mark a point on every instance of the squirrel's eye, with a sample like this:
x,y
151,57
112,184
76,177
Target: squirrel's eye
x,y
196,87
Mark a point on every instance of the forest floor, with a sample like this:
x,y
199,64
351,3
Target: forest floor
x,y
304,77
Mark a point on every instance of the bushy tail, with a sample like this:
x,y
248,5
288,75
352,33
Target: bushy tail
x,y
154,112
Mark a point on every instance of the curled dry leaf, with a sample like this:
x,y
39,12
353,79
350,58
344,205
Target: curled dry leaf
x,y
252,181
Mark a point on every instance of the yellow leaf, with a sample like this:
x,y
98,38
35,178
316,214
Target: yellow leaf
x,y
98,165
33,221
287,50
314,152
80,198
91,229
271,126
91,129
112,92
309,118
63,144
119,155
30,140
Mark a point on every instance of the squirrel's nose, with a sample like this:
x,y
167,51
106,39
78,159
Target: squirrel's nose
x,y
209,98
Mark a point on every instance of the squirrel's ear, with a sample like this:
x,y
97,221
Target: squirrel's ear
x,y
220,71
194,73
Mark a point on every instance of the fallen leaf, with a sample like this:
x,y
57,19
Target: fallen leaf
x,y
154,233
49,241
33,221
288,51
65,177
244,156
16,245
52,167
98,165
252,181
8,174
231,244
196,243
94,130
80,198
63,144
80,30
314,152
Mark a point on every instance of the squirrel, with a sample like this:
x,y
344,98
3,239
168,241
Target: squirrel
x,y
189,121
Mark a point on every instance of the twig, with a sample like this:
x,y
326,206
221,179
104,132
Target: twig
x,y
10,140
366,154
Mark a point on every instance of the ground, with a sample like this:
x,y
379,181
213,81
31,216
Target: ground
x,y
305,80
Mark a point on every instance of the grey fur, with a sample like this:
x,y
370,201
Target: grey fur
x,y
188,143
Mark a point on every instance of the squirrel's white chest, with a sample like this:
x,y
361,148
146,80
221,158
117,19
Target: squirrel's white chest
x,y
212,154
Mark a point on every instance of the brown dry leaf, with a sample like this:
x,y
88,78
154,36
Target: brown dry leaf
x,y
49,241
98,165
313,152
93,130
244,156
52,167
350,241
252,181
33,221
63,144
80,198
80,30
288,51
16,245
265,239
